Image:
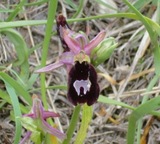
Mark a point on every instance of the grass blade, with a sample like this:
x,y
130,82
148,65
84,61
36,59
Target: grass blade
x,y
51,16
16,10
21,50
107,100
18,88
17,111
5,96
140,111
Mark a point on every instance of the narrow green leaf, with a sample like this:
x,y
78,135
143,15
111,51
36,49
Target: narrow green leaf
x,y
158,11
140,111
5,10
144,100
157,60
154,25
70,3
21,50
16,10
107,100
32,80
139,4
18,42
50,21
79,9
2,104
40,2
5,96
31,50
13,24
18,88
17,111
141,18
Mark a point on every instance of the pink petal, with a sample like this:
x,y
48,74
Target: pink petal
x,y
27,136
37,108
49,129
69,68
67,58
31,115
50,67
82,39
71,42
48,114
39,113
94,42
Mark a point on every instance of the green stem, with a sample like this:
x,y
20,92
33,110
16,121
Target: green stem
x,y
51,15
73,124
86,119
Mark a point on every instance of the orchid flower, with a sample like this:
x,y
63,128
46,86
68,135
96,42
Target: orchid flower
x,y
82,77
36,123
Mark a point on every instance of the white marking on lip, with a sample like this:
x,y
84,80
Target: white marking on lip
x,y
85,84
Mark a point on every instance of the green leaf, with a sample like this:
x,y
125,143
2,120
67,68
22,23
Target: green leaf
x,y
141,18
17,111
86,119
140,111
5,10
19,44
139,4
40,2
107,100
21,50
155,26
5,96
32,80
79,9
36,137
72,4
48,33
157,60
16,10
18,88
2,104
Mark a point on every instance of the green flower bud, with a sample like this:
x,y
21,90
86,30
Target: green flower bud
x,y
103,51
